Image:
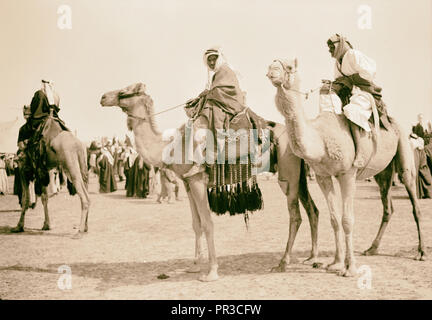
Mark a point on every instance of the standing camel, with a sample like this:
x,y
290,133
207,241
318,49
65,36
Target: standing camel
x,y
326,144
292,178
66,150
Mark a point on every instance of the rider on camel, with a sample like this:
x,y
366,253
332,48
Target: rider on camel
x,y
218,103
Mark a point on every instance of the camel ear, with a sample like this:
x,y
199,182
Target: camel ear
x,y
295,63
122,92
140,87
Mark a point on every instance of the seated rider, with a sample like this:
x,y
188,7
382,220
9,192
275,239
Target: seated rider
x,y
44,100
218,103
354,73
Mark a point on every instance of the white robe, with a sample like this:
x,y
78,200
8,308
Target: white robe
x,y
3,177
359,109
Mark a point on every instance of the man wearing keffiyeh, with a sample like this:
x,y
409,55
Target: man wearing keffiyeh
x,y
219,102
354,74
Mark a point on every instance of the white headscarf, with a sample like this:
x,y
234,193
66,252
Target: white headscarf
x,y
221,60
47,88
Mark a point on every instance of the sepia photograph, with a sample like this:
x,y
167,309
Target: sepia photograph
x,y
216,154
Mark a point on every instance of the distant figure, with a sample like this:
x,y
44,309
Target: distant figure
x,y
424,178
129,160
4,189
420,128
169,186
105,162
138,182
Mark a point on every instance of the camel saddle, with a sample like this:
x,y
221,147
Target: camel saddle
x,y
343,85
36,164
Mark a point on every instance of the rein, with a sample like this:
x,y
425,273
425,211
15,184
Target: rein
x,y
140,93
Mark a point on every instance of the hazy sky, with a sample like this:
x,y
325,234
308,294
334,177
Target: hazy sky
x,y
114,43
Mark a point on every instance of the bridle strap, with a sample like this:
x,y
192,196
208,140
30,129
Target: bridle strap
x,y
141,93
129,95
306,94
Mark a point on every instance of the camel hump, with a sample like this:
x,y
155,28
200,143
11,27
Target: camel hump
x,y
379,151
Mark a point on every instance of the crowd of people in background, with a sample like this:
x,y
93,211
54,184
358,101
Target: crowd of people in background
x,y
115,161
421,138
110,160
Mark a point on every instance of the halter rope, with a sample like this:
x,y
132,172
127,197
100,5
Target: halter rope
x,y
140,93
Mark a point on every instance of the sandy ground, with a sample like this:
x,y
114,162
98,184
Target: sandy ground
x,y
133,241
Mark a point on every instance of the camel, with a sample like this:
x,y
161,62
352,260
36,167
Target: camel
x,y
326,144
292,180
66,151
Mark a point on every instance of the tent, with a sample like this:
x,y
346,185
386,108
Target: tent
x,y
9,135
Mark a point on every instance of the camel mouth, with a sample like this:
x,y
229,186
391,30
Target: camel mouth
x,y
105,101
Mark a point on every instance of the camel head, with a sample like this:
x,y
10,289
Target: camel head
x,y
284,72
133,101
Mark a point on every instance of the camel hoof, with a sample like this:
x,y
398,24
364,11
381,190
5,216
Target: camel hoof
x,y
420,257
194,269
77,236
310,261
371,252
17,229
209,277
336,267
280,268
45,227
348,273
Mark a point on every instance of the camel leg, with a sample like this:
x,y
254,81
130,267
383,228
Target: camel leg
x,y
327,188
198,190
74,174
312,213
407,172
44,198
291,192
384,180
196,225
347,183
409,180
25,201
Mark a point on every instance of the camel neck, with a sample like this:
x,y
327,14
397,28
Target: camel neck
x,y
290,104
149,144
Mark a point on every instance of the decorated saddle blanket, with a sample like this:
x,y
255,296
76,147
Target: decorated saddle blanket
x,y
36,163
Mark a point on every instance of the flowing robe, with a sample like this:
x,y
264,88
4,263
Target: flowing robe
x,y
107,182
